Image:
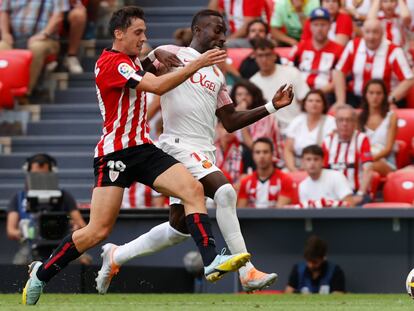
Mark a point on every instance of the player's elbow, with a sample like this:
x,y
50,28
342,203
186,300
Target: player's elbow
x,y
230,126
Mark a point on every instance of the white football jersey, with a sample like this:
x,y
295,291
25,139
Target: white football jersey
x,y
188,111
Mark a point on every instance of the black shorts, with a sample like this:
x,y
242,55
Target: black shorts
x,y
143,163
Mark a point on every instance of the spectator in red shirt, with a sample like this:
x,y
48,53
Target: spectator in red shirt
x,y
341,26
372,57
349,151
317,56
268,187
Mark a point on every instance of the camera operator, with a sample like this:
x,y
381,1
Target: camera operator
x,y
21,223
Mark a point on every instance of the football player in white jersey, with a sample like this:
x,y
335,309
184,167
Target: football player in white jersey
x,y
190,114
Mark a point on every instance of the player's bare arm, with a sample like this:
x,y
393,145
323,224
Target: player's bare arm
x,y
162,84
166,58
234,120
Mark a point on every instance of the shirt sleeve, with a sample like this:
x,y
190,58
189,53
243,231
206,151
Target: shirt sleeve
x,y
302,192
306,32
325,154
69,203
291,130
243,191
366,155
223,97
301,88
342,187
294,278
287,186
277,17
169,48
400,65
346,60
344,25
253,8
338,280
125,73
13,204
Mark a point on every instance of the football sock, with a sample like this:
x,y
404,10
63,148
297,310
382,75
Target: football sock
x,y
60,258
158,238
200,228
226,199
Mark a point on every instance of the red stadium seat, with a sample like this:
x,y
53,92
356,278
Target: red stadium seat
x,y
387,205
297,178
6,98
375,183
399,187
402,155
410,98
15,70
406,127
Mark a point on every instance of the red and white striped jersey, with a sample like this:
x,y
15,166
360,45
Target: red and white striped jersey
x,y
264,194
316,65
123,109
393,29
348,157
237,10
388,63
138,196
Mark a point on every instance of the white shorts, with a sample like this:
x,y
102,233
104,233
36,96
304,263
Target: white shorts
x,y
200,164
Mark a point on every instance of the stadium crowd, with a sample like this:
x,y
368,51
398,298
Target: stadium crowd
x,y
351,67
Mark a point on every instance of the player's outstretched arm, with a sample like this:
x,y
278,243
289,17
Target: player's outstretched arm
x,y
162,84
234,120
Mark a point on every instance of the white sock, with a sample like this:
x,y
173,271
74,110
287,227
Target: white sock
x,y
155,240
226,214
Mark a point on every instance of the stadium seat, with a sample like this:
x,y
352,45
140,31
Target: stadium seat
x,y
406,127
387,205
399,187
297,178
402,155
6,98
15,70
375,184
410,98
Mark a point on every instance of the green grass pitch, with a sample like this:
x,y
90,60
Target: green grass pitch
x,y
148,302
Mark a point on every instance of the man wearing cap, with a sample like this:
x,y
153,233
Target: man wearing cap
x,y
317,56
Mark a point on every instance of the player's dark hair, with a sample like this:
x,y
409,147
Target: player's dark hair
x,y
314,150
255,92
201,14
321,95
264,140
123,18
262,44
315,248
385,106
258,21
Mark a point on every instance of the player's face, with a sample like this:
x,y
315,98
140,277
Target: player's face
x,y
256,30
242,95
265,59
262,155
312,164
345,123
212,32
314,104
389,6
375,95
320,30
133,38
332,6
372,33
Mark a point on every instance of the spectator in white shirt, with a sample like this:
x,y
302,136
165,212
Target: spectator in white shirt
x,y
323,187
308,128
380,125
271,76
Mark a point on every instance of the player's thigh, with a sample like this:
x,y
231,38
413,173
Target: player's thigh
x,y
177,181
105,205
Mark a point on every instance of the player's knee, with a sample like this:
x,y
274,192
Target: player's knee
x,y
226,196
194,192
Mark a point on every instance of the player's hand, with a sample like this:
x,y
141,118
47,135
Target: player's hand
x,y
168,59
211,57
283,97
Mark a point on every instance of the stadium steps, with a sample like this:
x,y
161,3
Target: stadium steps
x,y
46,144
65,127
65,160
171,14
76,95
68,176
71,111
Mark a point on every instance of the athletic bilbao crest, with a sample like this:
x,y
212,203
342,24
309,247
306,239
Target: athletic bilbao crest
x,y
115,167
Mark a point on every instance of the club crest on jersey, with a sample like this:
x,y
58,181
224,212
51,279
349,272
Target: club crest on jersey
x,y
126,70
206,164
113,175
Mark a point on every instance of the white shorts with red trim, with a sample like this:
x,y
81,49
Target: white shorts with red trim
x,y
200,164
